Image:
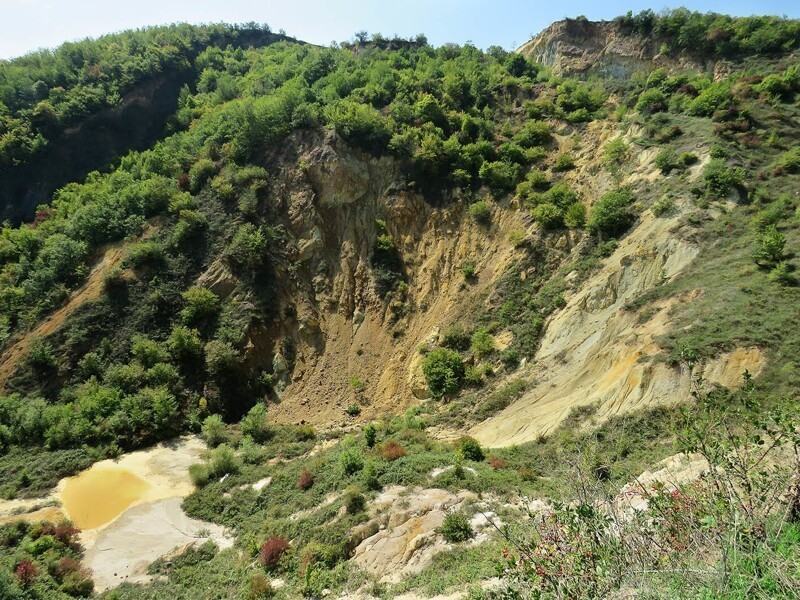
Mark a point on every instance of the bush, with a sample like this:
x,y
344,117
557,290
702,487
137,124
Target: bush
x,y
354,501
662,206
200,172
533,133
221,359
548,215
469,449
201,304
259,588
482,343
444,371
148,352
146,254
223,460
769,246
305,481
610,214
248,248
351,461
575,216
564,162
468,271
667,161
500,176
272,551
615,154
455,337
651,101
390,451
199,474
782,273
719,179
456,528
480,212
256,424
185,344
214,431
370,434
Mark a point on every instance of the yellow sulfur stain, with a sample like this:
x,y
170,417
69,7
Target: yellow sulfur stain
x,y
99,495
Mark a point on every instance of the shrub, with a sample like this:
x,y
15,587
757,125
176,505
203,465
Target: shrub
x,y
717,151
651,101
221,358
473,375
444,371
354,501
256,424
667,161
456,528
148,352
610,214
790,161
185,344
305,481
199,474
564,162
390,451
370,434
533,133
41,355
353,410
719,179
272,551
199,173
482,343
548,215
469,449
769,245
259,588
575,216
500,176
146,254
455,337
480,212
223,460
248,248
615,154
782,273
351,461
497,463
468,271
201,304
214,431
357,384
662,206
26,574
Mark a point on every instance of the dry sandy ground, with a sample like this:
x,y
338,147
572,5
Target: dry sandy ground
x,y
143,533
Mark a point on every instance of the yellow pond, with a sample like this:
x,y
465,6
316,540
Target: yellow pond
x,y
100,494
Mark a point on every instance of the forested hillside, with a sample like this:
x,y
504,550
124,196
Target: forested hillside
x,y
335,264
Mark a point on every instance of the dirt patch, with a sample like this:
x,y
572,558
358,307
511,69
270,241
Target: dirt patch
x,y
123,550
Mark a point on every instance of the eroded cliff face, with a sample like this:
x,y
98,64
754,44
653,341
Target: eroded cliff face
x,y
578,46
336,341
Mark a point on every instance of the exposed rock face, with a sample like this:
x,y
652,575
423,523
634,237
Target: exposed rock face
x,y
332,325
403,540
576,46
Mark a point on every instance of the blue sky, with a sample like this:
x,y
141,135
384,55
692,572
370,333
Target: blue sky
x,y
29,24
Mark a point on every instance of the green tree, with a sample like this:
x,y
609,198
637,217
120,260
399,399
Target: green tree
x,y
444,371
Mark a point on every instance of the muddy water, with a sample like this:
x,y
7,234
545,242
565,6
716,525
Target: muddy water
x,y
99,495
